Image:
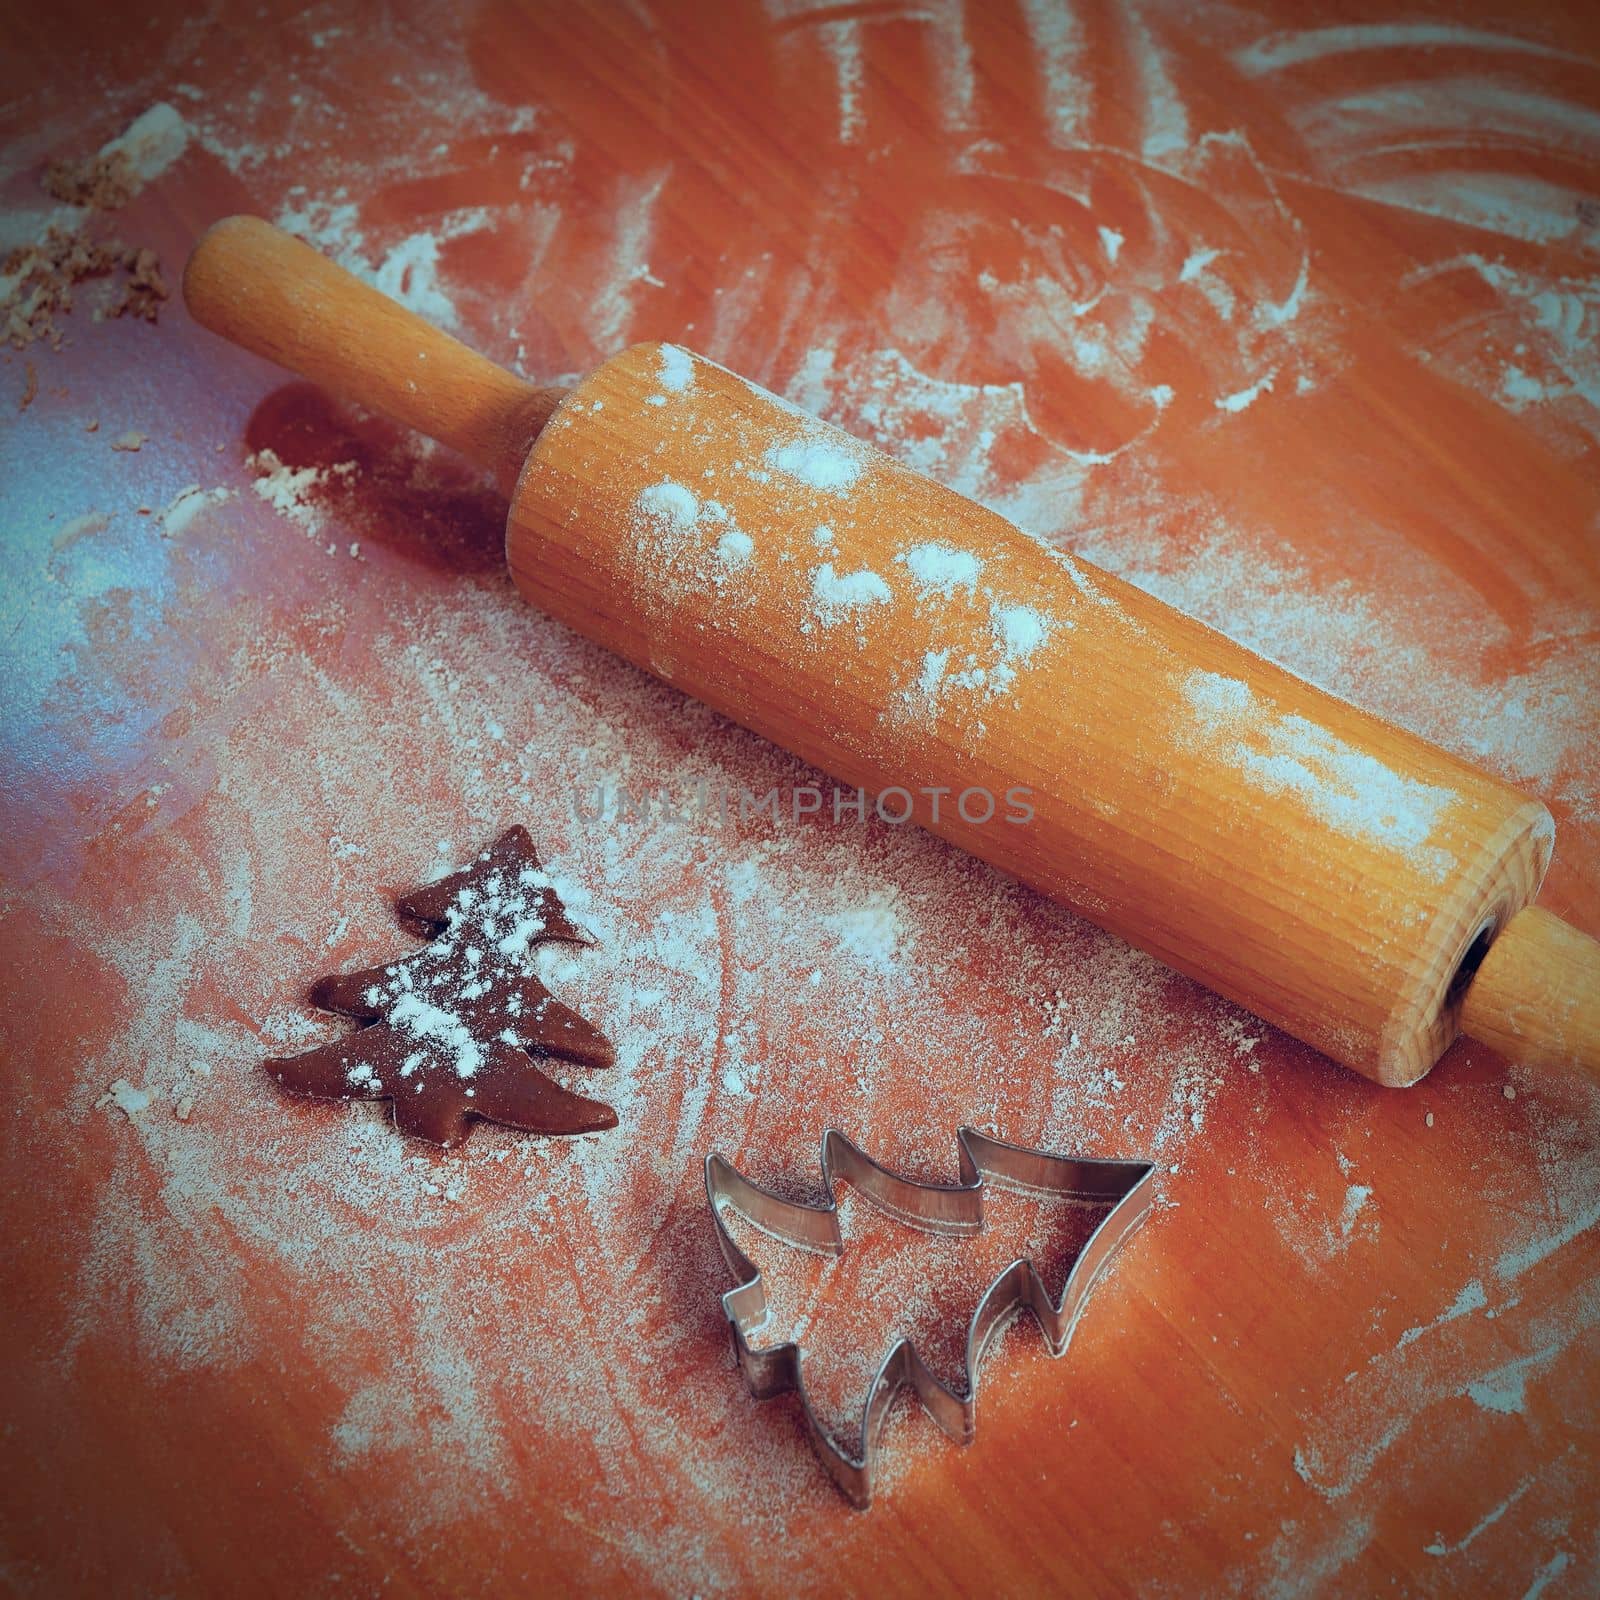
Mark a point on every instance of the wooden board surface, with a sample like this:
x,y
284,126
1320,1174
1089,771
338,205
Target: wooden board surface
x,y
1286,313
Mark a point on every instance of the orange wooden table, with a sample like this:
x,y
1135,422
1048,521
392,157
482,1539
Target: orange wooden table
x,y
1289,314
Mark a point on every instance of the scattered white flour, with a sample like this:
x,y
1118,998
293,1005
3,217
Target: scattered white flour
x,y
735,547
409,273
1528,727
1022,630
1476,109
1019,631
837,595
1547,1574
130,1101
610,305
819,463
1015,633
1521,390
1278,51
1167,131
1355,1201
361,1076
946,429
152,142
1243,399
1345,787
1514,1263
670,504
409,269
1057,35
1506,1388
1488,1520
297,492
433,1024
677,369
871,929
1471,1298
942,568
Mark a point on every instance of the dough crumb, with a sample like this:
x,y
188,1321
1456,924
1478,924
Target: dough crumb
x,y
103,182
145,289
40,279
109,179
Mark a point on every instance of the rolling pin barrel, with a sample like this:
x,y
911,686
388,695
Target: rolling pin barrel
x,y
1336,875
1320,866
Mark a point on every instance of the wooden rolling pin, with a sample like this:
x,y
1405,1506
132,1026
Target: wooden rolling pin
x,y
1336,875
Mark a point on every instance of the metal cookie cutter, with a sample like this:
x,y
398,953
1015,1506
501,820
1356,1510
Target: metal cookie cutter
x,y
936,1208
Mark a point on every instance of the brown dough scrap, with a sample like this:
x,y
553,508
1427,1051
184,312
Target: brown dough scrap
x,y
103,182
145,290
451,1032
44,274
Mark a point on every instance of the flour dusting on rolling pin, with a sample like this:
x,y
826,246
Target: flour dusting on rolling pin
x,y
1340,877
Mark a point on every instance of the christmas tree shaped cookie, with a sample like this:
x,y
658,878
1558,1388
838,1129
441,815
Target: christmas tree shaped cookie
x,y
454,1030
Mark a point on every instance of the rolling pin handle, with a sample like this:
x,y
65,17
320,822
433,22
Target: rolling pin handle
x,y
1535,996
273,294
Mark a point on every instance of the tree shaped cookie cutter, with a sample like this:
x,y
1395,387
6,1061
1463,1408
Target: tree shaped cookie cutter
x,y
954,1209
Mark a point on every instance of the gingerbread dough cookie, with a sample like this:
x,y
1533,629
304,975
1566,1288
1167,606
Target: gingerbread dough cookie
x,y
453,1031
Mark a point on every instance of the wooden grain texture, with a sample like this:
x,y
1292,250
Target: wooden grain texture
x,y
1325,381
1269,840
274,295
1537,994
1320,867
